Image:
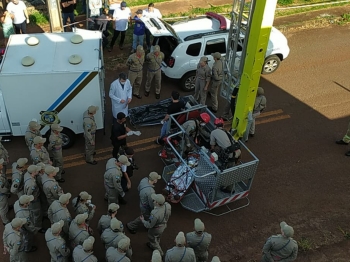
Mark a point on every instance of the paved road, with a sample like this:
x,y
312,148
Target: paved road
x,y
302,176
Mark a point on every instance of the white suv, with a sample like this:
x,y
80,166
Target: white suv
x,y
185,42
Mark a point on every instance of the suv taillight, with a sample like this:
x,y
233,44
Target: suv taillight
x,y
171,61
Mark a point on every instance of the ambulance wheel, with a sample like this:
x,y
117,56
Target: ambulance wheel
x,y
68,138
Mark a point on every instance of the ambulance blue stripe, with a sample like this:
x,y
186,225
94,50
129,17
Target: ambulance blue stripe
x,y
68,91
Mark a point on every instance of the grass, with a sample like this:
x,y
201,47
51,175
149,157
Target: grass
x,y
301,2
38,18
227,9
288,12
304,244
144,2
345,233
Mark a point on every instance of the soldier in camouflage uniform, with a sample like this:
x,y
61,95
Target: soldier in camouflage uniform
x,y
78,230
89,126
146,189
50,186
112,178
4,155
154,60
4,195
31,188
112,236
56,244
82,252
281,247
216,80
39,152
58,211
199,241
180,252
105,220
43,200
33,130
18,170
21,208
135,64
13,240
203,76
81,205
55,147
157,221
119,254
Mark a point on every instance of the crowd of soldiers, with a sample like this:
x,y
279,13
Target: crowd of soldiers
x,y
40,195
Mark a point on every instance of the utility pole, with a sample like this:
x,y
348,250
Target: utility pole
x,y
253,20
54,8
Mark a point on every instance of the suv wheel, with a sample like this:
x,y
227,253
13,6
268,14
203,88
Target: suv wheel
x,y
188,81
271,64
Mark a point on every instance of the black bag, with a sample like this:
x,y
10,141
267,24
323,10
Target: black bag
x,y
234,145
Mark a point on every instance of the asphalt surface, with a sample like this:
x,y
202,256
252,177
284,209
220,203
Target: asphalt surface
x,y
302,177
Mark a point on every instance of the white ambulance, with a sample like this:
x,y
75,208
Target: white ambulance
x,y
54,78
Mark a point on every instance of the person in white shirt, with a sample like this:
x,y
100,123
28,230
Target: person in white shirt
x,y
20,15
95,11
121,95
113,5
121,17
150,12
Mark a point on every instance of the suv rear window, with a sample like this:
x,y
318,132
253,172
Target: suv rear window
x,y
216,45
194,49
167,45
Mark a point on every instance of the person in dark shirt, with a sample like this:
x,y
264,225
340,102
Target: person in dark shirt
x,y
230,107
119,133
128,171
67,7
176,106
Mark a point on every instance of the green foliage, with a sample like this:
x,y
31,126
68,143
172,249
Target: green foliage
x,y
345,233
285,2
304,244
144,2
38,18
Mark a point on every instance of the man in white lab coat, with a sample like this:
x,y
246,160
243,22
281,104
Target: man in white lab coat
x,y
120,94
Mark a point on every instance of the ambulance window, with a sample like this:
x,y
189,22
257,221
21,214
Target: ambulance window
x,y
194,49
215,45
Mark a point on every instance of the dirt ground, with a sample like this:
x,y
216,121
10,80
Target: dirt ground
x,y
302,178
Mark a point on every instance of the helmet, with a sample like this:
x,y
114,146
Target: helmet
x,y
205,117
219,122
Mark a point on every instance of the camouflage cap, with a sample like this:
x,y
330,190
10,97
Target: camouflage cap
x,y
39,140
51,169
156,257
21,162
215,259
92,109
56,127
33,168
89,243
156,48
140,48
18,222
57,227
116,224
25,199
180,239
34,125
159,198
124,243
85,196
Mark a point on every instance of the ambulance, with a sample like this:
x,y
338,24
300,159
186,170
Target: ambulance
x,y
53,78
